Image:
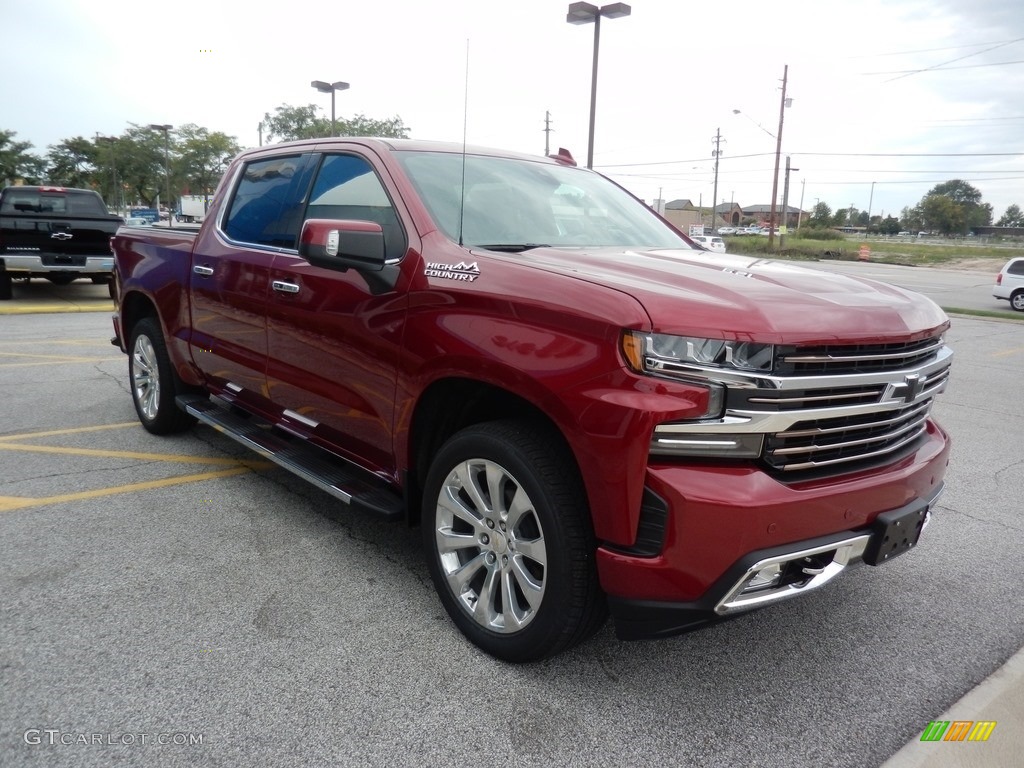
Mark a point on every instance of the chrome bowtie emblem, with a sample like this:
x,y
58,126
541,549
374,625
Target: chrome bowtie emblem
x,y
61,236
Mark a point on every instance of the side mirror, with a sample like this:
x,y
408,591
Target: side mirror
x,y
338,244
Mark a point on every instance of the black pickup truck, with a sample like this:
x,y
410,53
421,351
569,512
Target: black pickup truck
x,y
58,233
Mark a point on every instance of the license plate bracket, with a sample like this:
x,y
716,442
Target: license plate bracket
x,y
895,532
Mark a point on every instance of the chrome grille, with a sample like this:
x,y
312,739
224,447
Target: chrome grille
x,y
827,442
830,359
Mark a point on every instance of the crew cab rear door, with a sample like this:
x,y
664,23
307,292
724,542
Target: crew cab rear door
x,y
334,335
230,276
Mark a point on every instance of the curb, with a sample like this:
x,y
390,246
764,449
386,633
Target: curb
x,y
999,699
37,309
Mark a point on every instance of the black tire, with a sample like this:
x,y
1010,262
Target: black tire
x,y
1017,301
518,574
6,292
153,381
100,280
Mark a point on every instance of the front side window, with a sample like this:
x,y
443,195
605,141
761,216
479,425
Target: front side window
x,y
347,188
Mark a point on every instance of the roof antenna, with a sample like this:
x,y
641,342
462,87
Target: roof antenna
x,y
465,122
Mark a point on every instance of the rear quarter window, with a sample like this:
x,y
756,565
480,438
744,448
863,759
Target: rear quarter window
x,y
1015,267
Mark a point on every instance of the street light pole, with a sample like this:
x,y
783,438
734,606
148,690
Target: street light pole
x,y
167,171
331,88
871,200
785,205
585,13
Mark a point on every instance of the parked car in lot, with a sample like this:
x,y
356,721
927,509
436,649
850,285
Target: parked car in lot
x,y
137,221
1010,283
710,242
57,233
727,230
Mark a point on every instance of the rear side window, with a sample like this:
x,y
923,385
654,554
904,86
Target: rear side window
x,y
267,206
1016,267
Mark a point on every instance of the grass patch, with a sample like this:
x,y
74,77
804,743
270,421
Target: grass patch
x,y
882,249
994,313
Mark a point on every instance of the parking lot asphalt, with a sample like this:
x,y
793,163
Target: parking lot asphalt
x,y
182,584
43,297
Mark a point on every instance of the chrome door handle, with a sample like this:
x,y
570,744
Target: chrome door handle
x,y
204,271
282,287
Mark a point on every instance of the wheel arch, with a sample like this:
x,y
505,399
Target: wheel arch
x,y
451,404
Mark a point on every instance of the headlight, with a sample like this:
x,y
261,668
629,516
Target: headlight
x,y
674,355
694,359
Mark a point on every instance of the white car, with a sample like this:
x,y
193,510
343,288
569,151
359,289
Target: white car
x,y
710,242
137,221
1010,283
727,230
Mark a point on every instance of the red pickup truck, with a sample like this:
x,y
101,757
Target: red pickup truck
x,y
580,409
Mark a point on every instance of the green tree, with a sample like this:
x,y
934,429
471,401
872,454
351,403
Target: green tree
x,y
942,214
141,165
72,163
964,211
289,123
1012,218
821,216
17,163
202,156
890,225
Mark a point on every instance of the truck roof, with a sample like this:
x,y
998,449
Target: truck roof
x,y
386,145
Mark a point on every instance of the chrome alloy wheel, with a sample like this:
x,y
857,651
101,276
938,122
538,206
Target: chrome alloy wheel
x,y
146,377
491,546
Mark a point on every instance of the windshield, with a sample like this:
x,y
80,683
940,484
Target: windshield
x,y
514,204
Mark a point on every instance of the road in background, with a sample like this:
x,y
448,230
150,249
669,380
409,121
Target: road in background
x,y
169,587
963,289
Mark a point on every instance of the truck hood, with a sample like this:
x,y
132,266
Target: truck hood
x,y
721,295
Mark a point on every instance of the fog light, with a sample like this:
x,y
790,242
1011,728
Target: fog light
x,y
769,576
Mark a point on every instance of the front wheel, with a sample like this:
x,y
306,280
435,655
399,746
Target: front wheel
x,y
1017,301
154,383
509,543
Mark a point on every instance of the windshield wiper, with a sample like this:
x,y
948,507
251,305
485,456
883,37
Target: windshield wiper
x,y
512,247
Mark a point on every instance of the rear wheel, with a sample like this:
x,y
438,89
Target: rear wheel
x,y
1017,301
5,287
154,382
509,544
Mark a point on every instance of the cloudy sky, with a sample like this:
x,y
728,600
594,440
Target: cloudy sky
x,y
889,97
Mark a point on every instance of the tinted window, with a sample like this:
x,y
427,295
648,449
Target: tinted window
x,y
347,188
1016,268
267,206
33,201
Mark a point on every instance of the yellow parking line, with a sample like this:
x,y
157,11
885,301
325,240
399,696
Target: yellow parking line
x,y
1008,352
71,431
65,361
175,458
10,503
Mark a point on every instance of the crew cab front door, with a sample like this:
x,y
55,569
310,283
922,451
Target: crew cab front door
x,y
334,337
230,278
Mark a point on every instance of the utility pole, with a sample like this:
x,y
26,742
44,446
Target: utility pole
x,y
800,214
714,197
547,133
778,153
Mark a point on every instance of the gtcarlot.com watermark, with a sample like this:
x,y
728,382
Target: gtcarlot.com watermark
x,y
55,736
